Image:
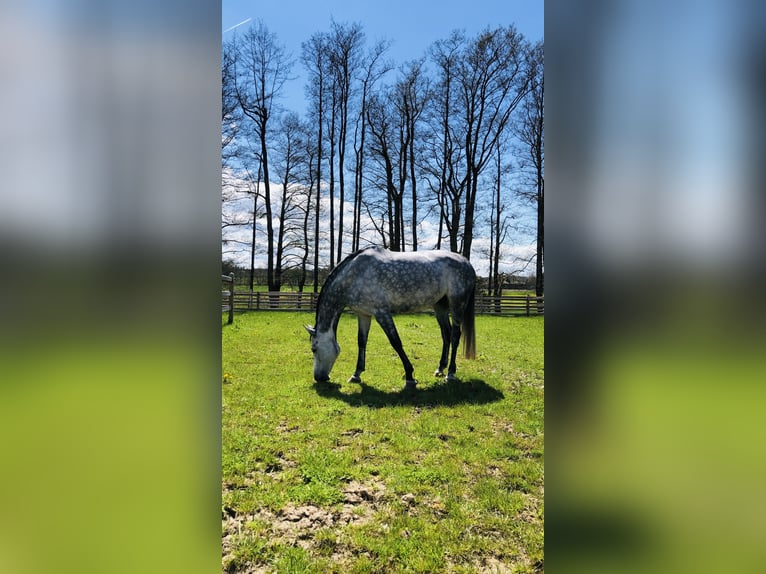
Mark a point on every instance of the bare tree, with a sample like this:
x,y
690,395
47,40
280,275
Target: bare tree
x,y
493,79
499,224
241,180
445,146
385,154
236,193
531,137
290,163
262,68
229,106
332,121
254,183
234,188
346,42
411,94
374,68
310,166
315,60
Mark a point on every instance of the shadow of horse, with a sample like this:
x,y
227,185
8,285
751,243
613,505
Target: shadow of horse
x,y
442,393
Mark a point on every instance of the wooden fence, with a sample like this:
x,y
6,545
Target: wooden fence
x,y
510,305
294,301
227,296
274,301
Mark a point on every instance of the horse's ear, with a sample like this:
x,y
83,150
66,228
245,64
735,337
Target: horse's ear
x,y
311,330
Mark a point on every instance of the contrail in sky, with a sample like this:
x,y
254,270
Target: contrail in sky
x,y
237,25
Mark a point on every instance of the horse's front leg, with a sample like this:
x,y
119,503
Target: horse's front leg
x,y
387,323
364,329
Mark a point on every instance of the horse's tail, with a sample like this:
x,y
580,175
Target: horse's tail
x,y
469,327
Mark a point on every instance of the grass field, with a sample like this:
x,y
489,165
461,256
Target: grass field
x,y
343,477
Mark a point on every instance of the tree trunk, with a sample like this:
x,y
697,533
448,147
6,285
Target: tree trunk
x,y
414,186
498,231
357,223
333,114
470,203
319,190
341,175
305,258
539,268
255,220
269,223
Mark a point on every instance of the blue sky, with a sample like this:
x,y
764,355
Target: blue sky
x,y
411,25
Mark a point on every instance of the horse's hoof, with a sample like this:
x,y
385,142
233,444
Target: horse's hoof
x,y
354,379
451,378
438,373
410,384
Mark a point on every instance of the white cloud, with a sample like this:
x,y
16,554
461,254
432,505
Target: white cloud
x,y
513,258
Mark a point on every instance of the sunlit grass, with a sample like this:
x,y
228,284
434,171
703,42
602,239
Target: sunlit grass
x,y
457,467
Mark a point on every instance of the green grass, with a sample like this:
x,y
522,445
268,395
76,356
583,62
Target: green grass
x,y
446,478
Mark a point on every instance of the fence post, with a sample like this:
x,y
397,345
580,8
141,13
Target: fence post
x,y
527,305
231,298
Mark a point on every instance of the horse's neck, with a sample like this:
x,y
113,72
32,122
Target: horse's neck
x,y
330,308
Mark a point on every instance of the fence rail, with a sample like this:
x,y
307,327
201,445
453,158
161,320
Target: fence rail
x,y
510,305
306,301
274,301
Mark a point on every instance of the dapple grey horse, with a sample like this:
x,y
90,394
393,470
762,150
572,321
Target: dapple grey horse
x,y
378,283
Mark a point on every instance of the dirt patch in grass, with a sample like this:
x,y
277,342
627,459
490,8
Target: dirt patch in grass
x,y
308,526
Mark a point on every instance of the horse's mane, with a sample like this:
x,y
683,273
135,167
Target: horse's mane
x,y
336,271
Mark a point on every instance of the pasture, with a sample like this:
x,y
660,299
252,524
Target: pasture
x,y
372,477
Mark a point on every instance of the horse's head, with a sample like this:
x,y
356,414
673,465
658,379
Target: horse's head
x,y
326,350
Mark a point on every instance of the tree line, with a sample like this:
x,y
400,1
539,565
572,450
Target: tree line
x,y
454,138
291,278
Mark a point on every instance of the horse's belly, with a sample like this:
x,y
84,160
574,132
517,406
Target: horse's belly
x,y
411,302
395,305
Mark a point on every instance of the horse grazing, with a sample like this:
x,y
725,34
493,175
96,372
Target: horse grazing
x,y
377,283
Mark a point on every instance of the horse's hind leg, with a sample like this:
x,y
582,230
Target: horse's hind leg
x,y
364,330
457,320
387,323
442,316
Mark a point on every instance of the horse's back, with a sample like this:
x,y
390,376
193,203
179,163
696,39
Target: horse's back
x,y
408,281
414,265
